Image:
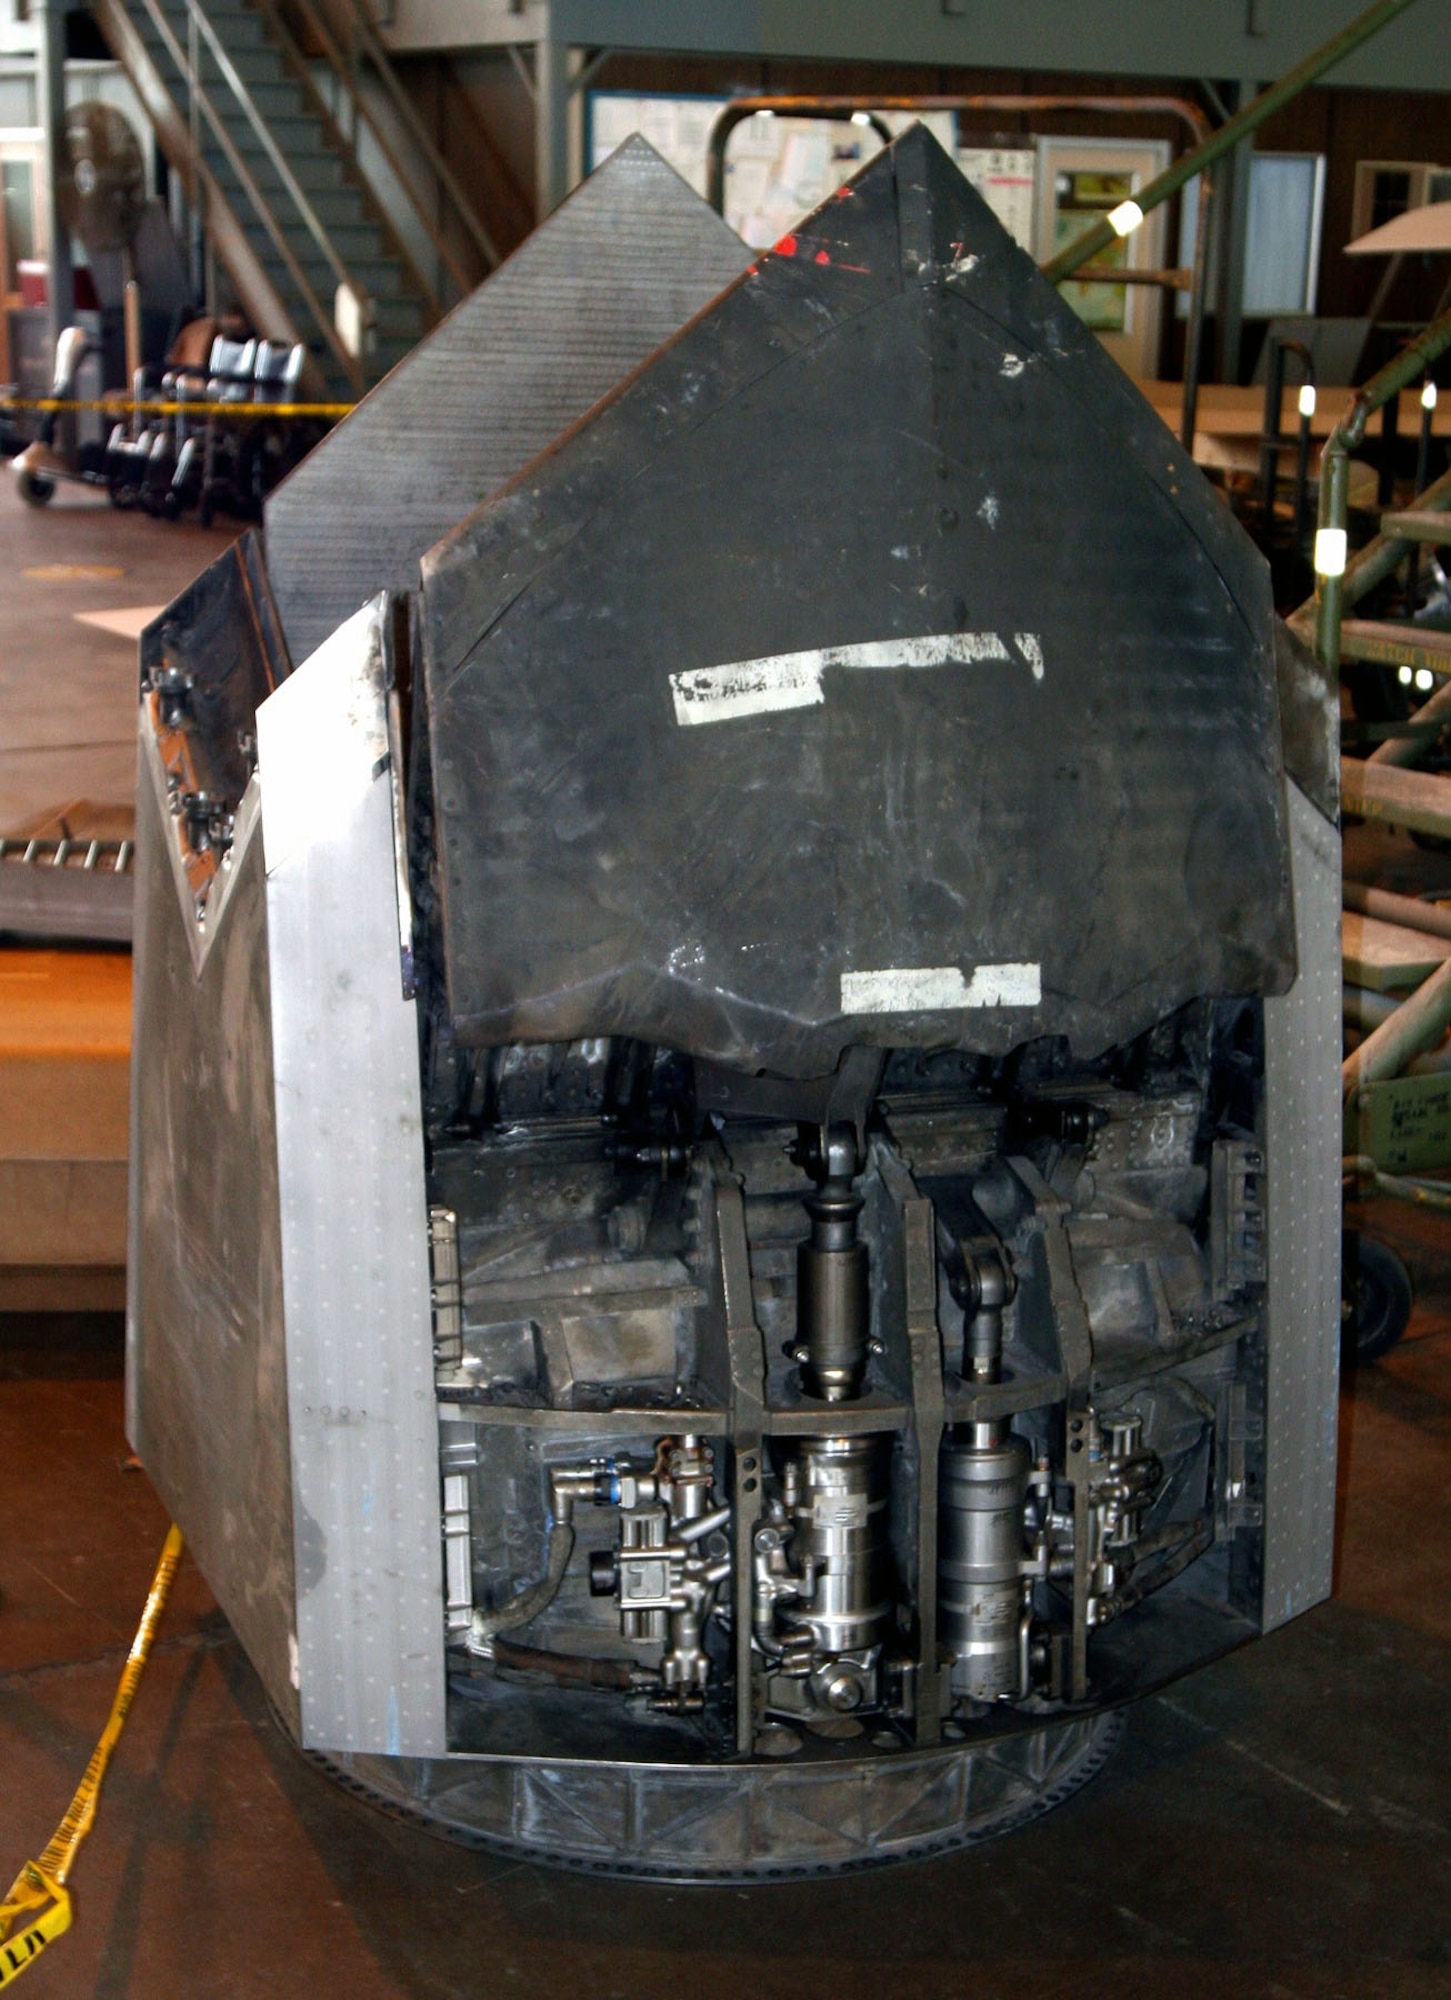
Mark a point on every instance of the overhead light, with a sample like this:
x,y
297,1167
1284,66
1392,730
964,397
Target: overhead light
x,y
861,118
1405,677
1125,219
1330,551
1425,679
765,112
1428,396
1307,399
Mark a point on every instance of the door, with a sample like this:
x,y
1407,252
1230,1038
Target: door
x,y
1079,182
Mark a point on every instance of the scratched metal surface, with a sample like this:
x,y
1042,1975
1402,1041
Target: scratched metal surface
x,y
223,634
623,263
206,1365
206,1369
892,430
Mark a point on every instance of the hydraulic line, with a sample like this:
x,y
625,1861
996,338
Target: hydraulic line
x,y
1198,1536
528,1604
567,1483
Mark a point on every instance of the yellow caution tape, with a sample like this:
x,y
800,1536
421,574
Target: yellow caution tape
x,y
22,1950
39,1900
123,406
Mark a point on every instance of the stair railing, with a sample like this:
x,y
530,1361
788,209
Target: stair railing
x,y
870,104
1100,236
1337,583
365,42
188,63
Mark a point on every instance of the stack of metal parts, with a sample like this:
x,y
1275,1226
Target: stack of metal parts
x,y
66,885
736,1191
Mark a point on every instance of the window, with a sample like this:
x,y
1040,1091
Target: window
x,y
17,185
1282,245
1385,189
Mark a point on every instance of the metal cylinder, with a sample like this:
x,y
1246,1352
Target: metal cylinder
x,y
837,1490
833,1295
982,1489
833,1313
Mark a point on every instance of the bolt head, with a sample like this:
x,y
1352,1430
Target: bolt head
x,y
843,1693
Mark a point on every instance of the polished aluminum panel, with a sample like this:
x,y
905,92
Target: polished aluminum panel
x,y
613,272
206,1399
354,1214
1303,1117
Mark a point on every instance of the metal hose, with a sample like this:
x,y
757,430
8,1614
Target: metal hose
x,y
528,1603
1199,1537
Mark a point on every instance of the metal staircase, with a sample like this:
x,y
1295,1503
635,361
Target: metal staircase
x,y
1379,1096
1384,786
1381,786
270,144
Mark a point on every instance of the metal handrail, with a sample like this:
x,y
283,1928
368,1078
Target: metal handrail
x,y
296,193
1330,551
1189,114
1087,246
378,56
1136,105
346,147
362,31
1375,562
201,97
1272,438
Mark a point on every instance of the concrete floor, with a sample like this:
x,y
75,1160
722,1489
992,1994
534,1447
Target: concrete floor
x,y
1277,1825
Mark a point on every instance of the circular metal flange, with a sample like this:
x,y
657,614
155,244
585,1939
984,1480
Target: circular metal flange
x,y
740,1822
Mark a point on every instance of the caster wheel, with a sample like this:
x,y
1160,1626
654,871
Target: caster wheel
x,y
171,505
1376,1296
35,491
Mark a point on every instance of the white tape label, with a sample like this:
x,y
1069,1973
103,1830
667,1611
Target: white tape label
x,y
931,989
794,680
750,687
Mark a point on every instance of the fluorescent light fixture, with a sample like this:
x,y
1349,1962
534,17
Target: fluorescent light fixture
x,y
1125,219
1330,551
861,118
1428,396
1425,679
1307,399
1405,677
765,112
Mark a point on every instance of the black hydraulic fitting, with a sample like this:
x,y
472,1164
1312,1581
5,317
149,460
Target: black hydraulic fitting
x,y
982,1283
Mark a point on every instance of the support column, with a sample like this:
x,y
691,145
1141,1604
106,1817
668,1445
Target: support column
x,y
49,18
551,125
1234,215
